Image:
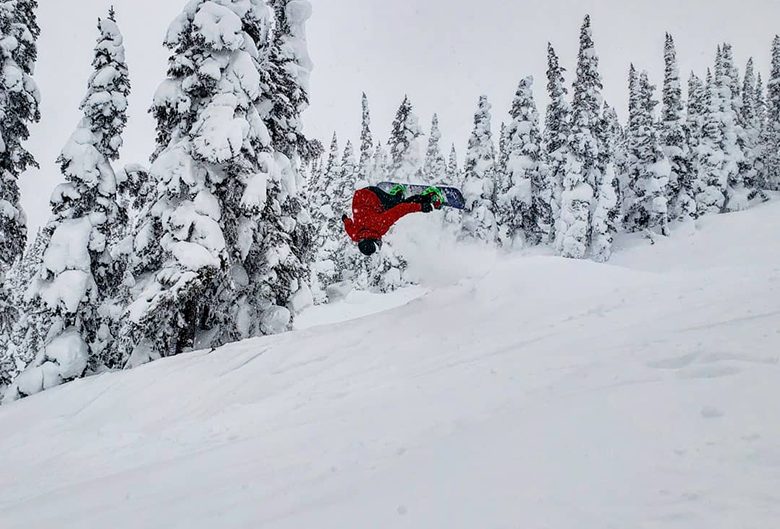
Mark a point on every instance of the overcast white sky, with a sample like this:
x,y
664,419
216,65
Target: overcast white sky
x,y
443,53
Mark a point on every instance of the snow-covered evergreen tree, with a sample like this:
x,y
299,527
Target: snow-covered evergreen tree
x,y
694,127
479,220
555,137
19,106
453,170
506,224
582,169
348,173
752,165
435,168
734,136
760,101
606,216
523,211
78,274
332,165
772,134
646,205
277,264
215,260
322,181
379,168
760,182
27,323
366,145
748,108
712,182
503,151
286,71
721,148
501,192
453,217
326,214
673,138
405,149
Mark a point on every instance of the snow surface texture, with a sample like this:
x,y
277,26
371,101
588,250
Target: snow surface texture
x,y
536,392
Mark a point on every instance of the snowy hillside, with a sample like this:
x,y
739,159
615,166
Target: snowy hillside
x,y
539,392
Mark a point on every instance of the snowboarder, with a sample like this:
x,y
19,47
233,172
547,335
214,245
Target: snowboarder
x,y
374,211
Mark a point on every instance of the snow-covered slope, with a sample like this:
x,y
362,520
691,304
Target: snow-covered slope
x,y
539,393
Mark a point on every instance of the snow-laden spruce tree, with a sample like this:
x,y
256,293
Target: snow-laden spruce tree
x,y
654,176
78,277
582,168
278,262
405,146
504,205
479,220
752,164
606,215
734,136
326,213
712,179
760,182
331,201
694,128
681,191
286,71
543,189
523,212
772,133
646,202
366,145
25,325
503,154
322,179
349,172
453,170
332,165
555,136
214,260
621,161
501,191
453,218
435,167
19,106
379,168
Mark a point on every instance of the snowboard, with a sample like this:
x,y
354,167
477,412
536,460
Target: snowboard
x,y
453,198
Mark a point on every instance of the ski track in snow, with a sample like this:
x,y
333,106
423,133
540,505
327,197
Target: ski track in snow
x,y
540,392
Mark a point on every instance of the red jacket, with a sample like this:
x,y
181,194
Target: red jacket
x,y
371,219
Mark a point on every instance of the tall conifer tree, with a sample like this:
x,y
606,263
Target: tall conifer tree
x,y
582,169
19,106
435,168
555,136
479,219
682,201
78,274
366,144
